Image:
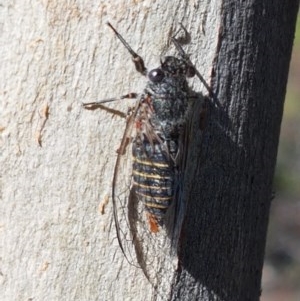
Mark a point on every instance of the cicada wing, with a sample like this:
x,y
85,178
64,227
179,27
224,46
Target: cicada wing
x,y
141,245
135,239
176,212
121,190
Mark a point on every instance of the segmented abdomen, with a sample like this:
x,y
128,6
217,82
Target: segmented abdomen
x,y
153,178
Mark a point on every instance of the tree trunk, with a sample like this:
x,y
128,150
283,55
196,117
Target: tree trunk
x,y
232,186
57,159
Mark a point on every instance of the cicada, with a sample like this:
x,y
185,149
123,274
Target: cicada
x,y
148,205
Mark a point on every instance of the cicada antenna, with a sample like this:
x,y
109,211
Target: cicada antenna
x,y
138,61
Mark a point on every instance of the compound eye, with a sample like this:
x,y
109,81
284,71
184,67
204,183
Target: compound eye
x,y
156,75
191,71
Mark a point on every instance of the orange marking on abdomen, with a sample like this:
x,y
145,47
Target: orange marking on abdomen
x,y
153,224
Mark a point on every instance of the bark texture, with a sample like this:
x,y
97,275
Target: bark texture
x,y
232,190
57,234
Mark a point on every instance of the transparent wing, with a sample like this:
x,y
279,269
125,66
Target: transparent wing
x,y
121,190
155,252
140,245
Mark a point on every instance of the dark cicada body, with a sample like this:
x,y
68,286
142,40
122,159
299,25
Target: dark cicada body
x,y
160,123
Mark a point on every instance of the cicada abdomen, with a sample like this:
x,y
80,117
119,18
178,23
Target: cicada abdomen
x,y
153,180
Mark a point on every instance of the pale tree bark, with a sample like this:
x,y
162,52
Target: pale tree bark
x,y
57,158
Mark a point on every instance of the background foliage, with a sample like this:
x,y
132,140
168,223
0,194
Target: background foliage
x,y
282,264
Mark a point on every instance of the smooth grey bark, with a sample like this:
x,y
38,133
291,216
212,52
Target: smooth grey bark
x,y
57,159
231,174
55,245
